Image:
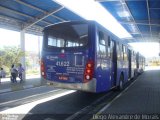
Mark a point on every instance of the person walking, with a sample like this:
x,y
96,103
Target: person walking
x,y
20,72
13,73
2,74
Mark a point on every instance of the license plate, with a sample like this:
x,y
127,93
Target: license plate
x,y
63,78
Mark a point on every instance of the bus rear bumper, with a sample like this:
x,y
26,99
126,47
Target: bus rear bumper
x,y
88,87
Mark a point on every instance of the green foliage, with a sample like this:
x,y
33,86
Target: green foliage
x,y
32,71
10,55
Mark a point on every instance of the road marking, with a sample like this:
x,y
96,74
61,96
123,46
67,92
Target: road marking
x,y
27,86
28,97
8,92
5,90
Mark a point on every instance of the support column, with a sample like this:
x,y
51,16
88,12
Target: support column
x,y
39,48
39,52
22,46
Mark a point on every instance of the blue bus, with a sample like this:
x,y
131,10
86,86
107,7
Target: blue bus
x,y
83,55
140,63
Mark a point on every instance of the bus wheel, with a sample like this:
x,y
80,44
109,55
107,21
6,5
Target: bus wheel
x,y
121,83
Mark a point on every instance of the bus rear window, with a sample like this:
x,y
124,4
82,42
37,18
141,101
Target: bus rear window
x,y
67,35
55,42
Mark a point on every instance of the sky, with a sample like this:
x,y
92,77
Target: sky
x,y
31,42
149,50
9,37
12,38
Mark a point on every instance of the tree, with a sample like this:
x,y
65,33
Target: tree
x,y
10,55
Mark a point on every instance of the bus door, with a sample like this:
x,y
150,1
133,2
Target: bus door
x,y
113,63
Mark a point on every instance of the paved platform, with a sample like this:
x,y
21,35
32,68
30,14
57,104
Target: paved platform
x,y
30,82
142,97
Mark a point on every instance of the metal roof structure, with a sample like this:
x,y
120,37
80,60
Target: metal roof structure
x,y
141,18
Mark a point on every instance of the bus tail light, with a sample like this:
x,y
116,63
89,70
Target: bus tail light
x,y
88,73
43,72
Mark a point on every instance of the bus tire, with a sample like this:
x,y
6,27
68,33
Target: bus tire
x,y
121,83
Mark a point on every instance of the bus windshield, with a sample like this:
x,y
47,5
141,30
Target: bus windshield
x,y
66,35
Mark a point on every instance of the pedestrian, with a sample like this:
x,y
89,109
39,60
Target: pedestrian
x,y
2,74
20,72
13,73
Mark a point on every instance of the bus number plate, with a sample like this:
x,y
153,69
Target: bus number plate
x,y
63,78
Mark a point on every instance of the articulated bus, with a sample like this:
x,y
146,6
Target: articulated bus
x,y
83,55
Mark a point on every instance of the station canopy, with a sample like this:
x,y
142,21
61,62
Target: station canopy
x,y
141,18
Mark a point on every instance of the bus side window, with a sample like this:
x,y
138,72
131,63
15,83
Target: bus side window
x,y
102,45
112,47
123,51
109,46
126,55
120,51
101,38
109,41
117,50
